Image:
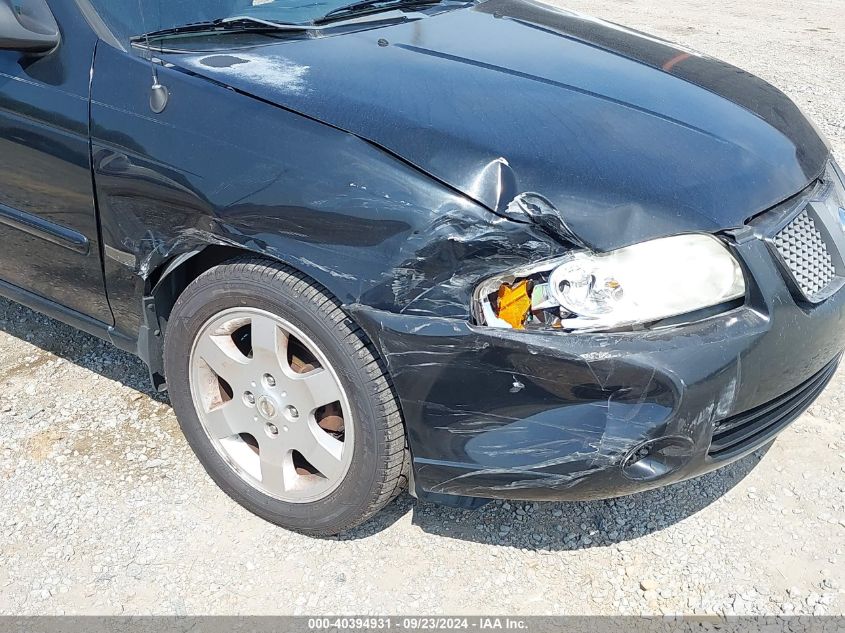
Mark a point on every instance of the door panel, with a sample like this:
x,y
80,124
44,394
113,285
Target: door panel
x,y
48,223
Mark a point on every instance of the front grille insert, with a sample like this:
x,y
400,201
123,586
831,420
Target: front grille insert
x,y
804,251
754,427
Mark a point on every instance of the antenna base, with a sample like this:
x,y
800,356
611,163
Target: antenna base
x,y
159,96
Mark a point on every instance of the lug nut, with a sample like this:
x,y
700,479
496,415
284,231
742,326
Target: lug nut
x,y
272,429
269,380
292,412
249,398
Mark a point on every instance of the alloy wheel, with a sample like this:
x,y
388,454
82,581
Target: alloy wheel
x,y
271,404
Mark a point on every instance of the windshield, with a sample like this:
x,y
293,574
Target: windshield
x,y
128,18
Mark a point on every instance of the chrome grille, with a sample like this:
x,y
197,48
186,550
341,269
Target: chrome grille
x,y
805,253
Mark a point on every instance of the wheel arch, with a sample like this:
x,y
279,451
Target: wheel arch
x,y
171,277
163,287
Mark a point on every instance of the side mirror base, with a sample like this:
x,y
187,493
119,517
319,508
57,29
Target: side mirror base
x,y
28,26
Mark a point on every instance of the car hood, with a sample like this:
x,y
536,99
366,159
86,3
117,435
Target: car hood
x,y
621,136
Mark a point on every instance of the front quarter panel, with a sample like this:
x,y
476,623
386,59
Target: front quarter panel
x,y
220,167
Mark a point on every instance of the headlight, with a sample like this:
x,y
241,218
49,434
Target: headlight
x,y
642,283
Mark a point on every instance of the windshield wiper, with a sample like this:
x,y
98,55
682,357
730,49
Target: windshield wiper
x,y
238,24
364,7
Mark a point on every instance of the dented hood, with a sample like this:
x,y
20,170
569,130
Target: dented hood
x,y
626,136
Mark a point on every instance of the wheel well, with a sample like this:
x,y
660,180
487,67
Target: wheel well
x,y
172,278
163,289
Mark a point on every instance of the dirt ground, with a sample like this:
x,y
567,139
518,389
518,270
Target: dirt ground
x,y
103,508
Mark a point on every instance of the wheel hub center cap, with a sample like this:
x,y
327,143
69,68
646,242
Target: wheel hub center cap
x,y
266,408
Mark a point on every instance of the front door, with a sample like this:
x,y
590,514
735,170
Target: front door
x,y
49,241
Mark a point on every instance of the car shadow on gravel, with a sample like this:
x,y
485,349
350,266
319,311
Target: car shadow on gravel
x,y
74,346
550,526
558,526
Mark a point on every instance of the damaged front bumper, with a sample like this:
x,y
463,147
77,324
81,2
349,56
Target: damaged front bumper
x,y
497,413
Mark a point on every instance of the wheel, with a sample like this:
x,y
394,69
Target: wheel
x,y
282,398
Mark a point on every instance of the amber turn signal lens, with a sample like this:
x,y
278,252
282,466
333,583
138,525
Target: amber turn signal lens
x,y
514,304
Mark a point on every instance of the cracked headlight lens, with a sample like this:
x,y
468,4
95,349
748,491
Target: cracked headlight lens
x,y
638,284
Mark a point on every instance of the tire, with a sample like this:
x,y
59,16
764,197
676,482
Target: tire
x,y
257,289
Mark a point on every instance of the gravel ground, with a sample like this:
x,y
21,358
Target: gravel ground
x,y
105,510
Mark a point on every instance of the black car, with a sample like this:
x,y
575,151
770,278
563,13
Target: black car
x,y
485,249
